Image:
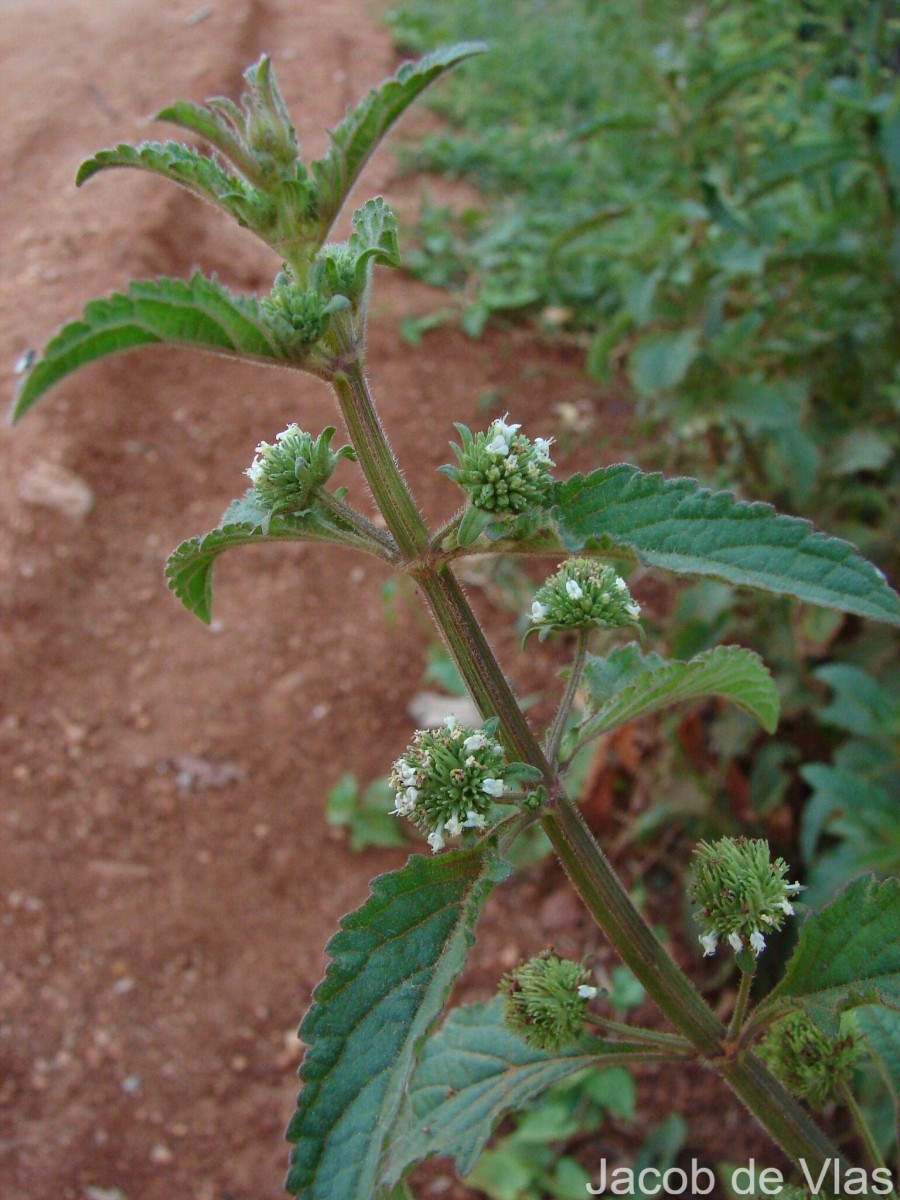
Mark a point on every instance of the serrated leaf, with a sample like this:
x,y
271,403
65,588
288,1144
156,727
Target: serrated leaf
x,y
200,313
374,235
190,169
392,966
730,671
609,674
847,955
473,1072
355,138
680,526
189,566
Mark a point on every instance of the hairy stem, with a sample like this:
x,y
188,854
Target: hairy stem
x,y
666,1041
740,1007
861,1125
587,866
555,736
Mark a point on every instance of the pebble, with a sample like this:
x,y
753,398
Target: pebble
x,y
50,485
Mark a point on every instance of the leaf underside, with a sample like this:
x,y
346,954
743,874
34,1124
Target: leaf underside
x,y
847,955
199,312
732,672
358,134
472,1072
392,966
680,526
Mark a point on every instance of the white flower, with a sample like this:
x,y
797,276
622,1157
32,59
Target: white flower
x,y
493,787
586,992
450,722
757,942
633,609
503,429
453,827
497,447
405,772
542,448
436,840
255,470
793,887
734,941
787,908
620,585
709,941
474,820
573,589
477,741
538,612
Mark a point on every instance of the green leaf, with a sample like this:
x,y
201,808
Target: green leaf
x,y
473,1072
200,313
661,360
730,671
189,566
356,137
680,526
392,967
195,172
847,955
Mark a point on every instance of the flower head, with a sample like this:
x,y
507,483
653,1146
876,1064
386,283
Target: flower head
x,y
304,311
448,779
285,474
501,469
813,1066
583,592
740,891
545,1000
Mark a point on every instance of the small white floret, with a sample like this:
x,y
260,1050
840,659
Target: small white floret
x,y
497,447
734,941
474,820
573,589
542,448
757,942
436,840
493,787
787,908
538,612
709,941
476,741
453,827
633,610
586,992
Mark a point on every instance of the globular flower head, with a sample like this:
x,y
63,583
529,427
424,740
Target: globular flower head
x,y
742,894
305,310
448,779
545,1000
582,593
503,471
285,474
813,1066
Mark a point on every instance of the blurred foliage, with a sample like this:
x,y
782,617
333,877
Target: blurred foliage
x,y
708,197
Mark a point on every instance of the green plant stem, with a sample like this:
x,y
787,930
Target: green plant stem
x,y
666,1041
588,868
740,1007
861,1125
555,736
370,537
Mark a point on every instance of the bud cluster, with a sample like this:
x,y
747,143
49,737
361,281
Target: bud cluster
x,y
741,892
448,779
545,1001
285,475
813,1066
582,593
305,310
503,471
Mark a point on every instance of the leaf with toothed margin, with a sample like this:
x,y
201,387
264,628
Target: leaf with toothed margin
x,y
473,1072
392,966
847,955
680,526
189,567
190,169
199,313
737,674
355,138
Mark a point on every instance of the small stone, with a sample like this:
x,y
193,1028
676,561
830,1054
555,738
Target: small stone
x,y
50,485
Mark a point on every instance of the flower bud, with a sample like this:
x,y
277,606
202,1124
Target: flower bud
x,y
502,470
742,894
545,1001
448,779
813,1066
285,475
582,593
305,310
